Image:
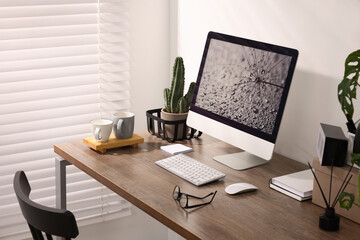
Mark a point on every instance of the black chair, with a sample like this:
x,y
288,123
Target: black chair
x,y
51,221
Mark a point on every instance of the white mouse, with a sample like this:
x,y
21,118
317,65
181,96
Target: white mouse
x,y
239,188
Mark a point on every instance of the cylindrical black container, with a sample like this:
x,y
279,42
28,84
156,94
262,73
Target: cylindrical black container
x,y
329,221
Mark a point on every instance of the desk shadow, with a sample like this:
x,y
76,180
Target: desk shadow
x,y
153,145
187,212
141,148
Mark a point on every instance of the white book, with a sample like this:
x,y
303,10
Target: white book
x,y
176,149
290,194
299,183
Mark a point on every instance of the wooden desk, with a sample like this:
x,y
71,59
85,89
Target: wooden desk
x,y
264,214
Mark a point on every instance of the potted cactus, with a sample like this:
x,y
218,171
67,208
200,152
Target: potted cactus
x,y
176,104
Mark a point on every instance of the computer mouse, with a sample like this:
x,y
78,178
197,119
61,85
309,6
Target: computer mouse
x,y
240,188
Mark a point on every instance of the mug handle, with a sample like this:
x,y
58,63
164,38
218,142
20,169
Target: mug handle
x,y
97,134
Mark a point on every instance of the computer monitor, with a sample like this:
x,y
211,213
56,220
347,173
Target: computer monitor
x,y
240,96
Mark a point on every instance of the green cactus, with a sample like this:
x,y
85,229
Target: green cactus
x,y
190,94
167,99
175,102
181,106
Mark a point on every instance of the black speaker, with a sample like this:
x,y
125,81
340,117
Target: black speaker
x,y
332,145
356,147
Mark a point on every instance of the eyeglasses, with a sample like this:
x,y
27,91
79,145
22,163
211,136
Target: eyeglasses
x,y
183,198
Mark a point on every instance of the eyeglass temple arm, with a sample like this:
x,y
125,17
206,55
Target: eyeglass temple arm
x,y
201,197
202,204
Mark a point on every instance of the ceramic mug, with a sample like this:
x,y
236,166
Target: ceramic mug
x,y
101,129
123,124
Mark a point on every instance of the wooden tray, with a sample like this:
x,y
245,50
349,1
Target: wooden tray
x,y
113,142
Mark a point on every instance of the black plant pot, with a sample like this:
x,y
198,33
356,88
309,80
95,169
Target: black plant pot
x,y
157,126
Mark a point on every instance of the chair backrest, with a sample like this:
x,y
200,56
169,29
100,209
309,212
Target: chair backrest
x,y
51,221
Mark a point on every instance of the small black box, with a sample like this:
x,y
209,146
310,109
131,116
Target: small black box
x,y
332,145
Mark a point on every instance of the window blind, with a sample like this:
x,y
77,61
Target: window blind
x,y
62,63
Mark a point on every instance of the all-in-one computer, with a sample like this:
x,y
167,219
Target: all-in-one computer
x,y
240,95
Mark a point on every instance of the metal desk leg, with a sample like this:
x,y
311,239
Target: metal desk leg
x,y
60,184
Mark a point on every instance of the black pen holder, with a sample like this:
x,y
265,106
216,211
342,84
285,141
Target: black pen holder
x,y
329,221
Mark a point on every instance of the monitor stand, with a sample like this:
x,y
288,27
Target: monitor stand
x,y
241,160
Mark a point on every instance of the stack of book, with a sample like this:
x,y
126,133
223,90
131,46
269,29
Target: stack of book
x,y
297,185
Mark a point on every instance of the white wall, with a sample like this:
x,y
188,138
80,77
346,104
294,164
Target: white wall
x,y
150,53
324,32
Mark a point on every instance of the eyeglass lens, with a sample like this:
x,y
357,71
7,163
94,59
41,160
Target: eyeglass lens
x,y
183,201
176,193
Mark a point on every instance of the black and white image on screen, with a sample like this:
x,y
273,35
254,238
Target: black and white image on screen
x,y
243,84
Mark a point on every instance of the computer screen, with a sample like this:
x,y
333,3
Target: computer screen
x,y
240,93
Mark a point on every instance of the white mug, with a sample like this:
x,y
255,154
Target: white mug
x,y
101,129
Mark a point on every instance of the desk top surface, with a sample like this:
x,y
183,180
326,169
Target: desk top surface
x,y
263,214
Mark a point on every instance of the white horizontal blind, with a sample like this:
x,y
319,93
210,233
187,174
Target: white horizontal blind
x,y
62,63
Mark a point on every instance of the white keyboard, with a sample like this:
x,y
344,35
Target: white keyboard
x,y
190,169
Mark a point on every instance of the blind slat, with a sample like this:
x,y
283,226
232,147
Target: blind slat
x,y
29,96
19,44
22,57
41,104
45,32
48,73
42,114
33,85
22,13
16,3
47,124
